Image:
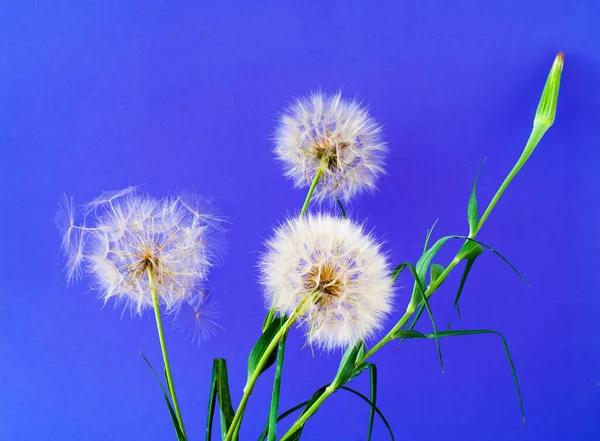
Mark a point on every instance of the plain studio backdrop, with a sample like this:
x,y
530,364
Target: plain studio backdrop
x,y
97,95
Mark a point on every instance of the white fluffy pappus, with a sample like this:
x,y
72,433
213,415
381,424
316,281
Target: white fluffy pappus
x,y
340,266
124,235
335,135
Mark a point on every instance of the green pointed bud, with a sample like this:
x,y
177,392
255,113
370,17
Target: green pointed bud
x,y
546,111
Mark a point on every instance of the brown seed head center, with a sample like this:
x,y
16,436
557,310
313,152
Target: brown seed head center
x,y
325,280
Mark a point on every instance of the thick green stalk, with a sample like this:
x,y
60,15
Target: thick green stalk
x,y
163,347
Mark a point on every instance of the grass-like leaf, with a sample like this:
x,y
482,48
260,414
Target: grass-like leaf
x,y
347,364
219,390
373,397
261,346
418,299
374,408
415,334
281,417
436,271
428,235
309,403
178,431
272,421
470,251
472,209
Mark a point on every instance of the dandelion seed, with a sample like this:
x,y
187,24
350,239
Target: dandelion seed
x,y
334,135
339,268
197,317
129,235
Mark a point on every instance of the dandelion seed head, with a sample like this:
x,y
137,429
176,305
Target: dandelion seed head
x,y
342,271
125,235
197,318
335,135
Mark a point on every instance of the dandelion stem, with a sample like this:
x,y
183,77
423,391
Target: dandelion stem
x,y
163,347
544,119
233,429
311,190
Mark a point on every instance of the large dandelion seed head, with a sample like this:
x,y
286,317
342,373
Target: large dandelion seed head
x,y
337,270
125,236
335,135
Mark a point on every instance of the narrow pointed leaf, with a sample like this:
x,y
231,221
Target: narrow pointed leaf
x,y
347,364
415,334
436,271
463,279
374,407
272,427
373,397
261,346
178,431
472,209
428,236
219,391
309,403
281,417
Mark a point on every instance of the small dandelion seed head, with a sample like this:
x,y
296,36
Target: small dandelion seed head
x,y
197,318
339,268
335,135
125,235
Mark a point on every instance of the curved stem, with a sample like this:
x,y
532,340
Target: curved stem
x,y
163,347
309,412
311,190
534,139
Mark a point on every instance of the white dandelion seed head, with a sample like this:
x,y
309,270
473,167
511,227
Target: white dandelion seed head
x,y
341,266
335,135
125,235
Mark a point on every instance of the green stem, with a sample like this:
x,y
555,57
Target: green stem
x,y
309,412
233,429
534,138
311,190
163,347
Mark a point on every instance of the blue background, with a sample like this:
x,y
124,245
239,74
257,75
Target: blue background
x,y
185,94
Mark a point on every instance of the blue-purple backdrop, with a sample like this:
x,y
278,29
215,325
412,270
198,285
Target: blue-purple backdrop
x,y
185,94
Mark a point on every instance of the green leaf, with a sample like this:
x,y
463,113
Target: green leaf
x,y
415,334
373,407
472,210
281,417
261,346
219,389
268,319
178,431
347,364
436,271
497,254
428,236
418,298
469,249
341,207
373,396
315,397
272,421
309,403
